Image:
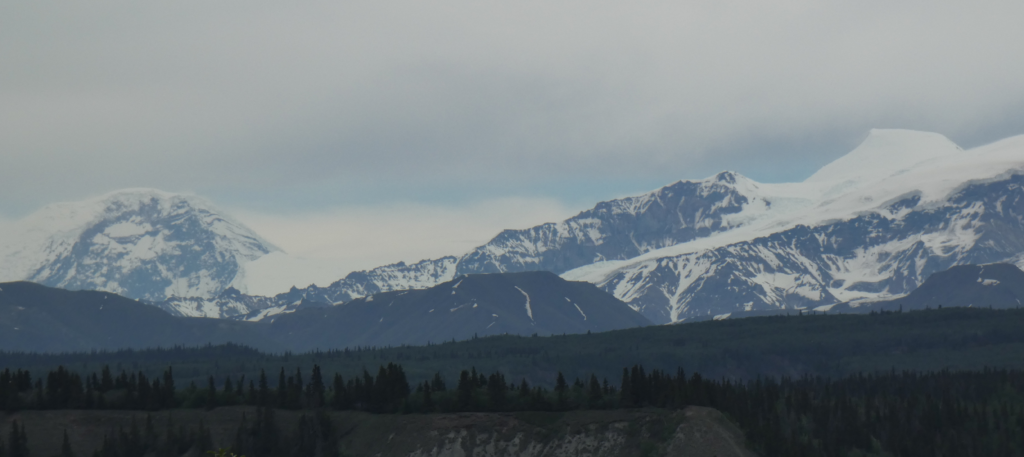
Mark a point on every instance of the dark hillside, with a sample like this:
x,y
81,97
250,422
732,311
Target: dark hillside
x,y
474,305
37,318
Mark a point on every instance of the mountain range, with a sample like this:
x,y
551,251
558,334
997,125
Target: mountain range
x,y
870,226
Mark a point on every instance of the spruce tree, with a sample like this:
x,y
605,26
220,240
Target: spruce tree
x,y
561,391
595,395
316,389
496,388
465,391
263,395
626,390
106,380
428,401
168,399
437,383
211,394
341,395
282,390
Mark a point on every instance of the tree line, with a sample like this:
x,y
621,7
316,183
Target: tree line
x,y
941,413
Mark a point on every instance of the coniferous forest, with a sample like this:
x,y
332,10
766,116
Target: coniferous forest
x,y
943,413
884,384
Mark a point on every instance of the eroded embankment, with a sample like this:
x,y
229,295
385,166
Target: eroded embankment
x,y
694,431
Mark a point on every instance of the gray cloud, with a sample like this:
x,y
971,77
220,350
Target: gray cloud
x,y
271,106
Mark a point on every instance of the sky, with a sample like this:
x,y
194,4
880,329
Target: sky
x,y
370,132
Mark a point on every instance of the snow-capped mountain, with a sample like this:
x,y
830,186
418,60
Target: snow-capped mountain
x,y
140,243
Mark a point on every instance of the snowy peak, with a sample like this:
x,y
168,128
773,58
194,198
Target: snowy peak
x,y
884,153
141,243
620,229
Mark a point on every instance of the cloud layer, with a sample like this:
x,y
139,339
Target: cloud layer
x,y
282,109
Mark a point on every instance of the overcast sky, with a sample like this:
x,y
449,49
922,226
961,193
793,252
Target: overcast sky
x,y
379,131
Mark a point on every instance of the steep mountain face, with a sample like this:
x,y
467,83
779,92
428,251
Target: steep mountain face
x,y
139,243
474,305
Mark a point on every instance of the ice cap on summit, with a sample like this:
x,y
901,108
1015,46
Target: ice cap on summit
x,y
884,153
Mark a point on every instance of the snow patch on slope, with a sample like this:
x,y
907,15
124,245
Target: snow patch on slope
x,y
529,311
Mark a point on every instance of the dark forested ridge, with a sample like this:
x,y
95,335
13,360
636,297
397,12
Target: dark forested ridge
x,y
890,383
825,345
42,319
